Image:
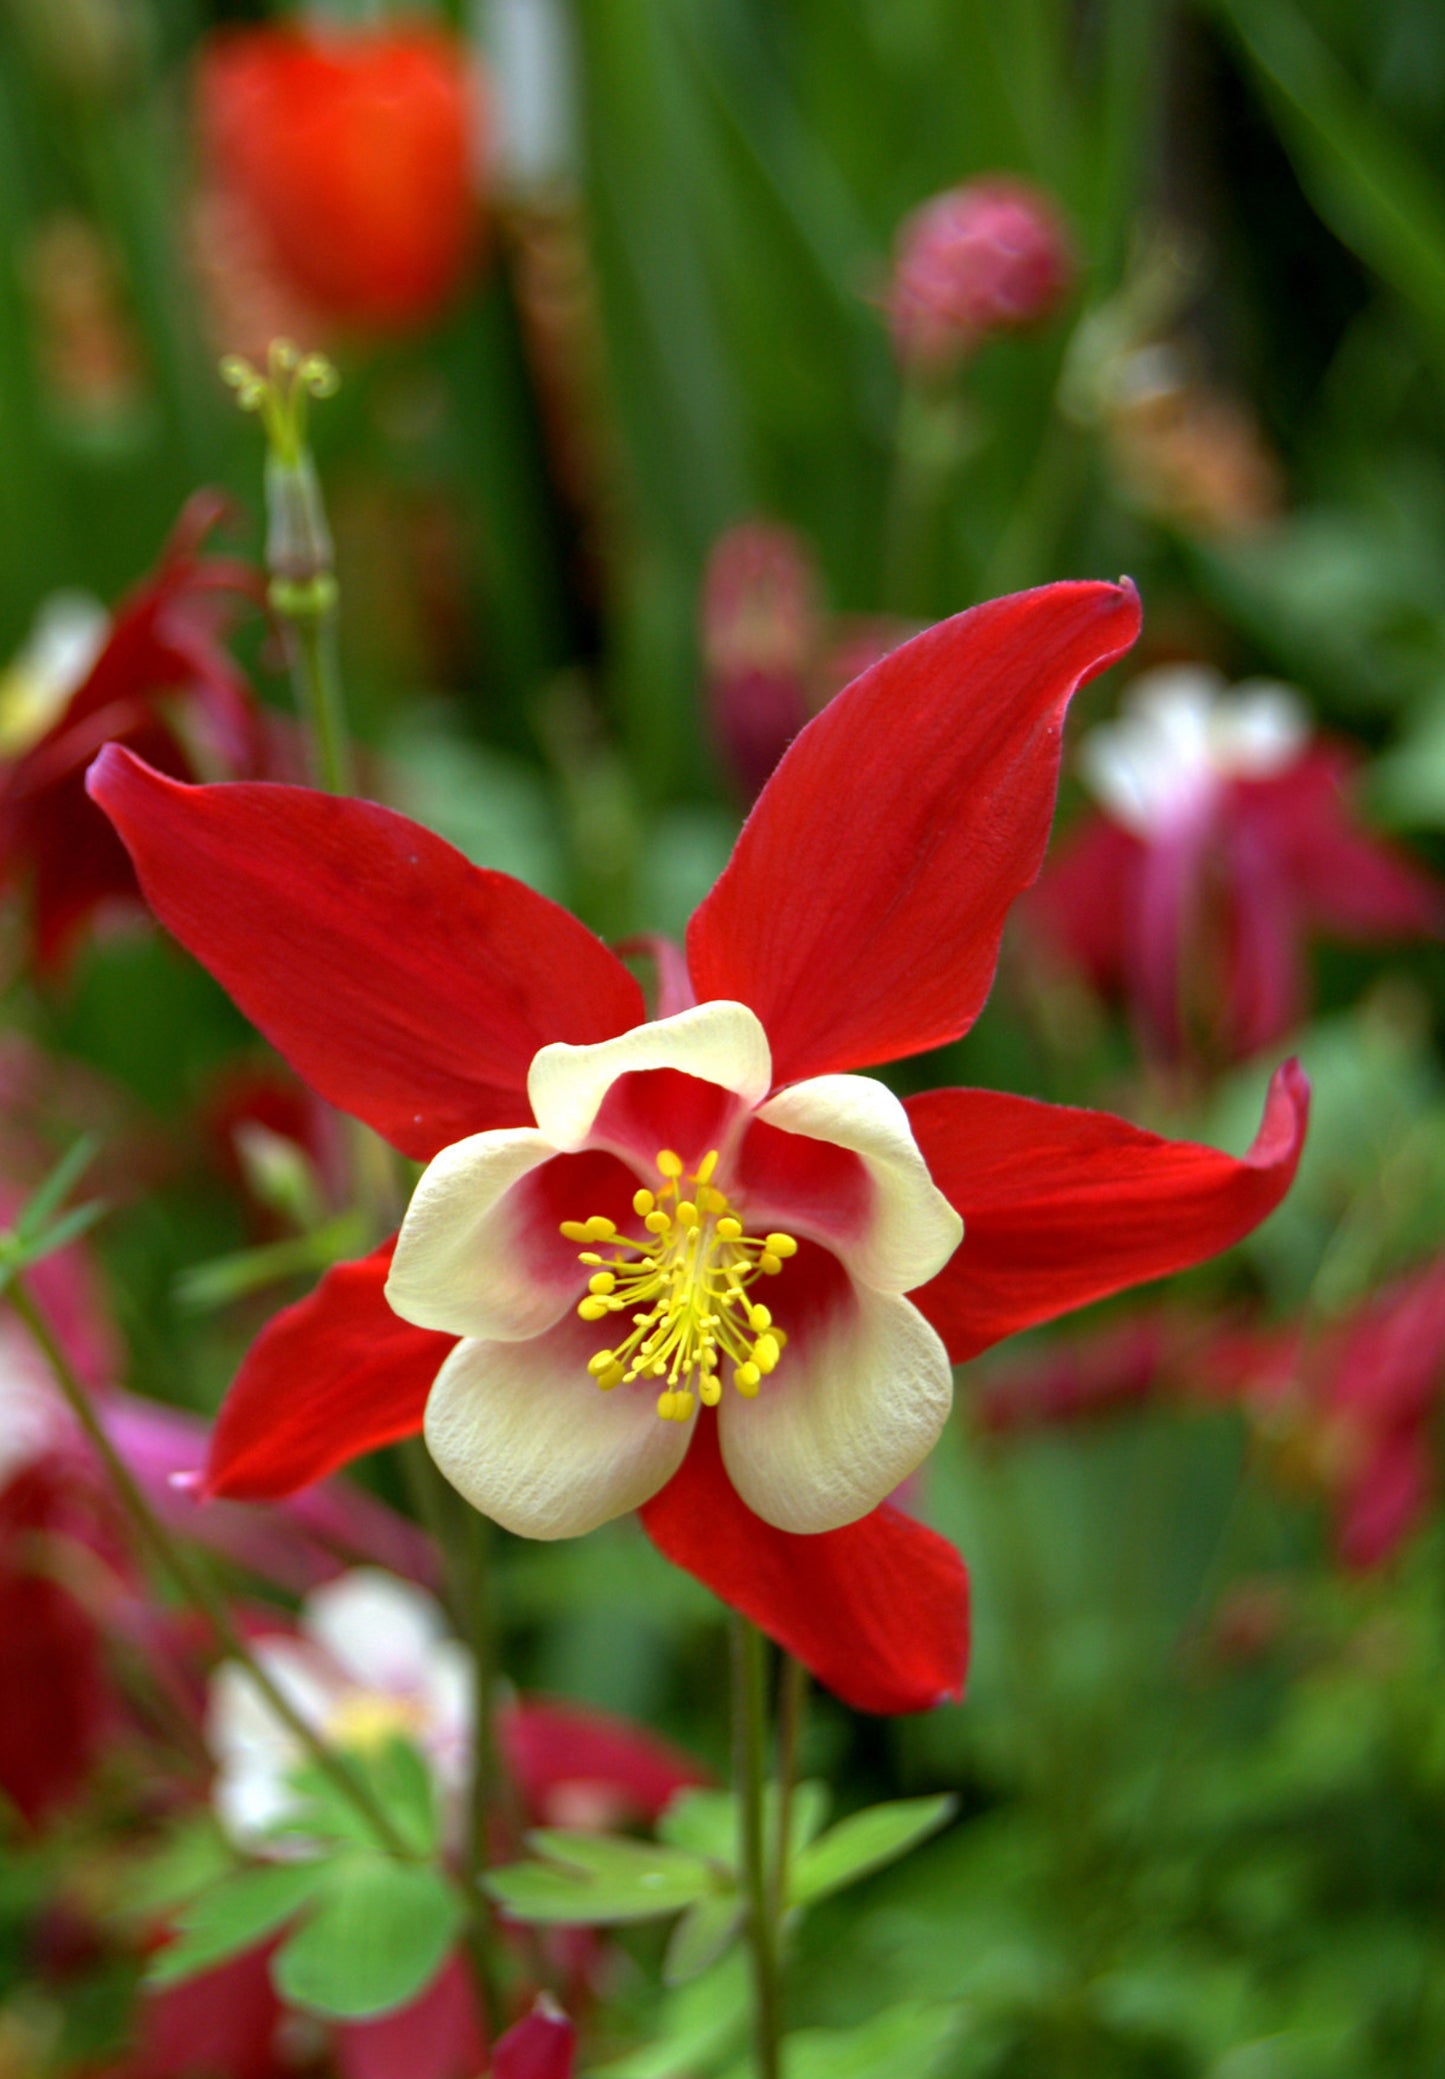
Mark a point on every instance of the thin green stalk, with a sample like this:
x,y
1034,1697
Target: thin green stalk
x,y
932,436
749,1770
311,643
792,1703
191,1582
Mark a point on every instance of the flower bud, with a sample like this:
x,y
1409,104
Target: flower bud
x,y
988,257
761,631
354,156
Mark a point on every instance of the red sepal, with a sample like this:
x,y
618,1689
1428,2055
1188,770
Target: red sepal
x,y
329,1378
1061,1207
544,2046
878,1611
860,913
408,986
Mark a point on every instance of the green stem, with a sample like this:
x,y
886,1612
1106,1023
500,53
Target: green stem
x,y
792,1702
932,436
311,642
191,1582
464,1549
749,1769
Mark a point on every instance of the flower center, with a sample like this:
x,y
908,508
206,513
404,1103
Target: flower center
x,y
685,1285
364,1719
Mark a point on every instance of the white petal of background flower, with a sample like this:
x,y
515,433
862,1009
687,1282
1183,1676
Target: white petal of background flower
x,y
460,1264
719,1042
526,1434
383,1633
912,1230
853,1408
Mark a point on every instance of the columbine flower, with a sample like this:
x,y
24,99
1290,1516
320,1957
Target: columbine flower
x,y
781,1234
372,1662
353,154
1225,838
984,258
157,678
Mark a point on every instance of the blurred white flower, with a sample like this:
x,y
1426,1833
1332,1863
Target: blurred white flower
x,y
371,1660
54,661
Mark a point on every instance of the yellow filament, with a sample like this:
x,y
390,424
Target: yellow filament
x,y
684,1285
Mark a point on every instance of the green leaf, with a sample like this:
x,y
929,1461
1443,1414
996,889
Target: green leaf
x,y
234,1916
378,1937
57,1186
190,1860
909,2039
399,1779
863,1843
594,1878
705,1932
706,1821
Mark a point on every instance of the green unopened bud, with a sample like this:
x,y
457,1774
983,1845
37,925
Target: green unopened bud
x,y
299,551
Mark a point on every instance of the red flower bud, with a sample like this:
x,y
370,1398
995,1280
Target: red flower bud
x,y
987,257
353,157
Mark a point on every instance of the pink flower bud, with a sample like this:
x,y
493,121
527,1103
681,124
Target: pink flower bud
x,y
761,631
986,257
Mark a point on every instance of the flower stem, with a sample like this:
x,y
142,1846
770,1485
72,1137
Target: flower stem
x,y
311,644
749,1769
191,1582
792,1702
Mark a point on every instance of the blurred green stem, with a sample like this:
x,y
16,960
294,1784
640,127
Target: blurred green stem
x,y
311,644
792,1702
190,1581
749,1770
933,435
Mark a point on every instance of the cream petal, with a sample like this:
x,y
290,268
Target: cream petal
x,y
853,1408
526,1434
461,1263
911,1230
718,1042
382,1632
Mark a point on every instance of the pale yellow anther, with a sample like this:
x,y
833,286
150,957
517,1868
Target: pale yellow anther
x,y
684,1284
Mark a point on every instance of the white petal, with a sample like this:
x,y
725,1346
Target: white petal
x,y
911,1229
527,1435
1260,730
852,1409
718,1042
381,1631
462,1264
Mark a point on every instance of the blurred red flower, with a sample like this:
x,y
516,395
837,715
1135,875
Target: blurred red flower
x,y
1223,841
858,921
156,677
353,154
990,256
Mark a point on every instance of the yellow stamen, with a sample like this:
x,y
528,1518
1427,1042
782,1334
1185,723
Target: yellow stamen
x,y
685,1286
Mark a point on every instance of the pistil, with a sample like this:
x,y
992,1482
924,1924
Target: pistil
x,y
686,1285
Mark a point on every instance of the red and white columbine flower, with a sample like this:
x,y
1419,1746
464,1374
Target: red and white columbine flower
x,y
482,1030
1225,839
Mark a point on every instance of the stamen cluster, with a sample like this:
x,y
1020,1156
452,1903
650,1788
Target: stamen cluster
x,y
686,1286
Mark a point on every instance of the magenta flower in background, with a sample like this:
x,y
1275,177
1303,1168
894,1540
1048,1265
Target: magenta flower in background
x,y
1224,840
990,256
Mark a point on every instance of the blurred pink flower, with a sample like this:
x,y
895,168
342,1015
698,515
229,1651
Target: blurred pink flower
x,y
1224,839
990,256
